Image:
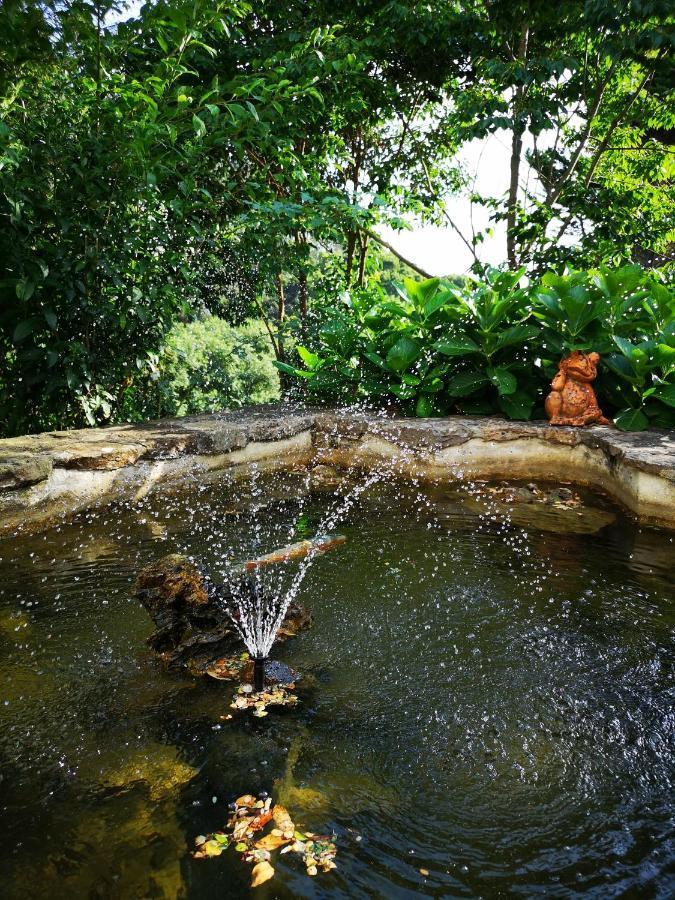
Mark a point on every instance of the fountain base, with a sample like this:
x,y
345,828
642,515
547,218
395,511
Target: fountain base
x,y
259,673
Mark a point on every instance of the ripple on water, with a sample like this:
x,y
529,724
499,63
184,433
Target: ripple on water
x,y
493,702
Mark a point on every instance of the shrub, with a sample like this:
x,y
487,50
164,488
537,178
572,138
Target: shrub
x,y
210,365
494,346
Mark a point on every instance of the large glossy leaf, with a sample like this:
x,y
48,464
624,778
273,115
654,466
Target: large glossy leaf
x,y
420,292
503,380
424,408
466,383
338,336
375,359
661,416
518,405
25,288
311,360
403,354
665,393
438,301
403,391
516,334
291,370
631,420
456,345
620,366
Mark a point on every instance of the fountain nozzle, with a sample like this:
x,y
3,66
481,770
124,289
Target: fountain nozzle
x,y
259,673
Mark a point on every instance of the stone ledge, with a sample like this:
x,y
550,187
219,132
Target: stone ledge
x,y
59,473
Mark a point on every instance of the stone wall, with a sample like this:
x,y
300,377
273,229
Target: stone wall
x,y
45,476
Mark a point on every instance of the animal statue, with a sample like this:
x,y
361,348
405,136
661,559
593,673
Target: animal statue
x,y
572,400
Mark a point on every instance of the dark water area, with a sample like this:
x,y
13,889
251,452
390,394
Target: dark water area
x,y
488,698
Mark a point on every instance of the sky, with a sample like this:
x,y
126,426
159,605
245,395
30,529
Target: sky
x,y
440,250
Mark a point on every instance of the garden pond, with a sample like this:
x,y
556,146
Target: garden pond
x,y
486,708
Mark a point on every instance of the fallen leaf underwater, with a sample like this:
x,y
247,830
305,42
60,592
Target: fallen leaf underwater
x,y
248,816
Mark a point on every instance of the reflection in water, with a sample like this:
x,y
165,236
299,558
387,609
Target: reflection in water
x,y
489,699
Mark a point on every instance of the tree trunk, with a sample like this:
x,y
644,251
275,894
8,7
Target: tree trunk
x,y
281,316
362,259
302,281
349,264
516,152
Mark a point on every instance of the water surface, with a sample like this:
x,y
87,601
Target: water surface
x,y
487,700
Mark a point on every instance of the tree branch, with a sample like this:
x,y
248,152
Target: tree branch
x,y
585,134
468,244
374,236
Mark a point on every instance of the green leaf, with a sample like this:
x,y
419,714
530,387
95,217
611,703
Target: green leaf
x,y
503,380
438,302
456,345
311,360
199,126
661,417
403,391
421,291
624,346
23,329
291,370
466,383
620,366
516,334
425,407
24,289
50,317
631,420
664,355
403,354
375,359
665,393
518,405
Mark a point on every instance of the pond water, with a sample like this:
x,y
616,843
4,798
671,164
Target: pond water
x,y
488,700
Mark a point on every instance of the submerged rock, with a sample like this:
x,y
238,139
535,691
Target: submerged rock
x,y
561,510
156,766
192,627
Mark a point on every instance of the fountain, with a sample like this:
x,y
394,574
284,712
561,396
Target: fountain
x,y
256,613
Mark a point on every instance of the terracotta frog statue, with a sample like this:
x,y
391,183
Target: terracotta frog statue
x,y
572,400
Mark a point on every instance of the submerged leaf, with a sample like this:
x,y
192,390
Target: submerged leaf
x,y
212,848
262,872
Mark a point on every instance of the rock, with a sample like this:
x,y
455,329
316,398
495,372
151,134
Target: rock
x,y
190,613
559,510
19,470
156,765
187,615
49,475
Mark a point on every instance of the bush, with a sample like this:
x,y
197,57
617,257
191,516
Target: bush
x,y
210,365
494,346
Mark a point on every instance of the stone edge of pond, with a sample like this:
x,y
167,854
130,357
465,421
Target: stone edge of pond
x,y
48,476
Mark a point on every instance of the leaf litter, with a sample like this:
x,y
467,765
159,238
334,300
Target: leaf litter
x,y
249,816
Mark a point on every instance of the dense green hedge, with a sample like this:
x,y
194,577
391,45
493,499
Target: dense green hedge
x,y
495,346
210,365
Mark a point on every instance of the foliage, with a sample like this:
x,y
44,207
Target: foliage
x,y
209,155
494,346
207,366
